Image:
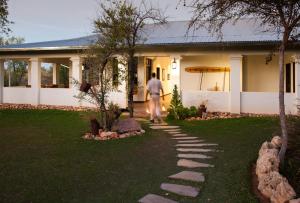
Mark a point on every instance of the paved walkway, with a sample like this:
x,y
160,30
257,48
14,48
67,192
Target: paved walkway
x,y
190,154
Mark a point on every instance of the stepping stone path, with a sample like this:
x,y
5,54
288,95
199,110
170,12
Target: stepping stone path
x,y
151,198
183,190
190,141
189,175
194,150
196,145
193,156
185,138
192,164
190,145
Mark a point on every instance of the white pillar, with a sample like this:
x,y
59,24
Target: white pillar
x,y
76,75
175,71
236,67
141,74
1,80
35,80
55,79
297,80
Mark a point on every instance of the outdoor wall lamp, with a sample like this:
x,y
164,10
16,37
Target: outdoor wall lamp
x,y
174,64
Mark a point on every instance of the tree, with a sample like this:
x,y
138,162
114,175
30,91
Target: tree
x,y
130,21
101,63
4,22
282,16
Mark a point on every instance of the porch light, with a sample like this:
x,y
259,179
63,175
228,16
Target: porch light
x,y
174,64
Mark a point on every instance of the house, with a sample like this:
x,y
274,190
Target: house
x,y
236,73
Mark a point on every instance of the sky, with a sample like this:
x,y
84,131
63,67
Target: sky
x,y
44,20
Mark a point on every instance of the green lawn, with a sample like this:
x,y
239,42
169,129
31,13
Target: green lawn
x,y
44,159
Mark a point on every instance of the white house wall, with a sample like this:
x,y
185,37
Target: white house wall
x,y
17,95
191,81
266,103
215,101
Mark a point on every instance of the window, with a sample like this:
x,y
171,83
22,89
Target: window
x,y
158,73
15,73
149,63
294,73
288,77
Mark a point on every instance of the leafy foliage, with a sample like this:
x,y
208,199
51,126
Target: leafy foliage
x,y
127,21
4,22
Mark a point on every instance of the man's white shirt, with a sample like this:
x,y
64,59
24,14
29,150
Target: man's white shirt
x,y
154,86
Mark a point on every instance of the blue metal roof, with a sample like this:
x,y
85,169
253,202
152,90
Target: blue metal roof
x,y
171,33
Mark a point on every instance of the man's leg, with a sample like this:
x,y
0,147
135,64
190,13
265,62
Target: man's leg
x,y
152,109
157,108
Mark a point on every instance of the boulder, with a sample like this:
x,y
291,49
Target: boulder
x,y
264,147
267,162
276,142
268,183
126,126
283,193
295,200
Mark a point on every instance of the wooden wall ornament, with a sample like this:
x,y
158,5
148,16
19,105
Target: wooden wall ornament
x,y
206,69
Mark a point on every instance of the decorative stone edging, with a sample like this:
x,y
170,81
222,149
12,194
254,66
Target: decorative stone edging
x,y
270,182
44,107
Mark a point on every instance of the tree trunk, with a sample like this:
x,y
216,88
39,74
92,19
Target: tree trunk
x,y
284,133
131,71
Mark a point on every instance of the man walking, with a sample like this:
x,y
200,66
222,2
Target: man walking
x,y
153,87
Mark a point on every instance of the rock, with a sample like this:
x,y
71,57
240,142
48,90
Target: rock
x,y
267,162
126,125
295,200
264,147
192,164
276,187
193,156
276,142
88,136
189,176
283,193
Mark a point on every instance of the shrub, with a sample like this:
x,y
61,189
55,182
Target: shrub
x,y
193,111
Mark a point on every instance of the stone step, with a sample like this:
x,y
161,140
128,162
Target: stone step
x,y
192,164
185,138
196,145
194,150
189,176
190,141
158,124
174,133
163,127
151,198
179,134
182,190
172,130
193,156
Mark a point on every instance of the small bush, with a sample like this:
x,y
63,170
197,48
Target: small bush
x,y
193,111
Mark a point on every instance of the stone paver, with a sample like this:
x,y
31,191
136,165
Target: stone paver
x,y
190,141
158,124
182,190
173,130
193,156
163,127
184,138
195,150
151,198
196,145
189,175
192,164
180,134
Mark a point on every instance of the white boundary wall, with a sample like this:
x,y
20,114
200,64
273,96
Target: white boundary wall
x,y
18,95
266,103
54,96
215,101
